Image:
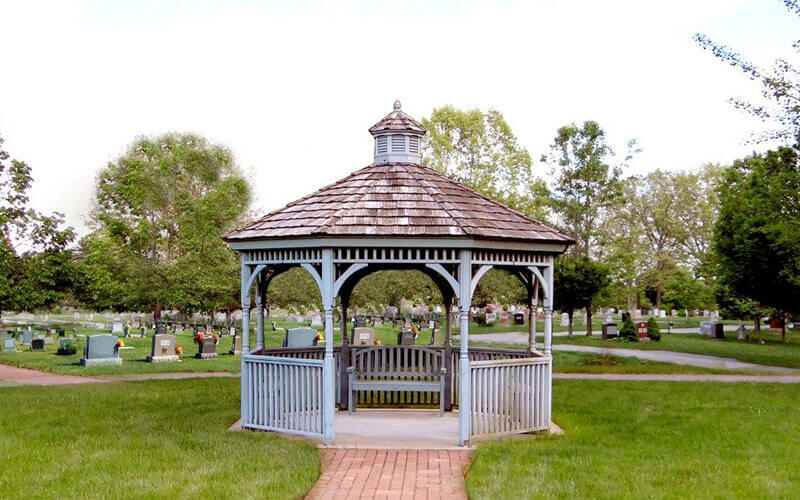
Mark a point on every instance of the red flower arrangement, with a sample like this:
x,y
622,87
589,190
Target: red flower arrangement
x,y
199,338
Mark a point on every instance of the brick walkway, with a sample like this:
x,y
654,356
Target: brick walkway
x,y
360,473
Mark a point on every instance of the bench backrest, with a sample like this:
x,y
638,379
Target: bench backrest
x,y
401,361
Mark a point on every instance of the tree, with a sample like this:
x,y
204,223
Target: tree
x,y
588,183
684,291
577,281
780,88
164,205
35,266
757,235
479,150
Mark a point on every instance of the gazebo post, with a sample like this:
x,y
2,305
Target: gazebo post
x,y
245,382
328,301
548,334
259,316
533,302
344,351
464,387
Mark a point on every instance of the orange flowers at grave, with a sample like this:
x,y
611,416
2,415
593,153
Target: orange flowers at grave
x,y
216,337
178,350
120,343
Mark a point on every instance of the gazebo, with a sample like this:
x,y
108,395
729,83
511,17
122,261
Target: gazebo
x,y
396,214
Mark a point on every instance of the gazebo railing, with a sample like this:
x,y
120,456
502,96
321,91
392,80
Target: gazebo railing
x,y
509,395
284,394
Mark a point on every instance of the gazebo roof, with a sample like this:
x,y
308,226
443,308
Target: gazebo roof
x,y
397,120
398,200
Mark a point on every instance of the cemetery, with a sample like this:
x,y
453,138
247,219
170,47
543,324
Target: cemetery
x,y
210,288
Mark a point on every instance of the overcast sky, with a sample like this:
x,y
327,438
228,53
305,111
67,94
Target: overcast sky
x,y
291,87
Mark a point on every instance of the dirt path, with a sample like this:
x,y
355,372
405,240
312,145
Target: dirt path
x,y
11,375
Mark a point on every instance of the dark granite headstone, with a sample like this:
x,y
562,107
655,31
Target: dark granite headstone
x,y
236,344
610,330
406,338
207,349
519,318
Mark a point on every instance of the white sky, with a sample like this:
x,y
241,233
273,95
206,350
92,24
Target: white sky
x,y
293,86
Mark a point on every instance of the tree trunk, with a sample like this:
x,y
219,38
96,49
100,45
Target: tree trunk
x,y
639,300
658,299
157,312
757,327
570,323
783,328
589,320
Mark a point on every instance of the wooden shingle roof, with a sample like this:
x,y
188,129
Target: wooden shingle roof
x,y
397,120
397,200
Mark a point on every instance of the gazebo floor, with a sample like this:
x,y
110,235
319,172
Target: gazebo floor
x,y
396,429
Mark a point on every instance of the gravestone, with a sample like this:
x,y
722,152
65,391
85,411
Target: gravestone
x,y
363,336
674,313
491,318
706,312
741,333
101,350
163,349
360,322
161,329
637,314
519,318
232,331
316,321
117,329
236,344
718,330
300,337
610,330
406,338
27,336
179,329
37,344
705,328
564,319
207,349
608,318
662,313
625,315
9,344
642,329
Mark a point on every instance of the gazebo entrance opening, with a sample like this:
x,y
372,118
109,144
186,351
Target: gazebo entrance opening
x,y
396,214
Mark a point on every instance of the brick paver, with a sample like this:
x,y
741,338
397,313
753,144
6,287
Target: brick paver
x,y
362,473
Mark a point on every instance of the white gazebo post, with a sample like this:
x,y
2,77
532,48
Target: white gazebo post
x,y
533,304
548,333
244,381
464,385
259,316
328,302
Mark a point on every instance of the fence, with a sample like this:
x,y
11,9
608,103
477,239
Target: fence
x,y
510,395
283,394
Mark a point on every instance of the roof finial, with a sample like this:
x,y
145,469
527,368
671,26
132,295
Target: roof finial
x,y
397,104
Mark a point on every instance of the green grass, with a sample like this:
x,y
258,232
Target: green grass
x,y
640,440
165,439
772,352
582,362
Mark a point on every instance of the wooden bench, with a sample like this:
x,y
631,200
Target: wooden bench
x,y
396,368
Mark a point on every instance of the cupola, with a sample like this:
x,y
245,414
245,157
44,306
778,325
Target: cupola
x,y
398,138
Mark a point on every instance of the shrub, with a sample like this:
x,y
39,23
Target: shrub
x,y
628,330
69,349
653,331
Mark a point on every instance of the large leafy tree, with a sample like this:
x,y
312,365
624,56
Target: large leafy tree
x,y
780,86
480,150
757,234
577,281
36,269
162,207
588,183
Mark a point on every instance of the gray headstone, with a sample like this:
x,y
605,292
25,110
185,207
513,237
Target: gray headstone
x,y
163,349
705,328
101,350
27,336
316,321
300,337
363,336
117,328
9,344
236,344
491,318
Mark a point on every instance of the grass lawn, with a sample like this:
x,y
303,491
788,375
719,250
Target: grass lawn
x,y
640,440
582,362
772,352
165,439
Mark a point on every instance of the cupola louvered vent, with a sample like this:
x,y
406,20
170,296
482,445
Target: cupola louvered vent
x,y
398,143
382,145
413,145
